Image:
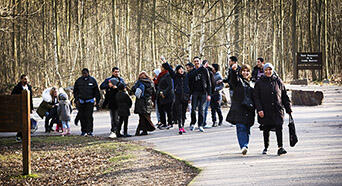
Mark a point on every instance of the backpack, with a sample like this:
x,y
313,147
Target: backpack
x,y
139,92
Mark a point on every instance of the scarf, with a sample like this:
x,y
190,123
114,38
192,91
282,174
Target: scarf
x,y
161,74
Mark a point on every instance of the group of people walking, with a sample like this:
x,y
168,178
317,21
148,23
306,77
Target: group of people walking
x,y
172,91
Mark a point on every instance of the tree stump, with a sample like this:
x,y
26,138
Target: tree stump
x,y
307,98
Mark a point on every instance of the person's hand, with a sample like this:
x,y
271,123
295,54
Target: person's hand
x,y
234,67
162,58
115,86
208,98
110,85
261,114
219,81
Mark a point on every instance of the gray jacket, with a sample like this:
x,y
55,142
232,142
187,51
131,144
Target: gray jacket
x,y
64,110
217,77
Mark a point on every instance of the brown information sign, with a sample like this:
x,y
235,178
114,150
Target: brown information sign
x,y
310,61
15,117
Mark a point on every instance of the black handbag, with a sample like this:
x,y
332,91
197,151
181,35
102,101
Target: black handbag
x,y
292,131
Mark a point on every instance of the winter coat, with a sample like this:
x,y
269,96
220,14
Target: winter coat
x,y
165,86
270,96
86,88
230,73
181,85
47,104
255,72
124,103
64,110
217,87
110,99
200,81
18,89
143,105
238,113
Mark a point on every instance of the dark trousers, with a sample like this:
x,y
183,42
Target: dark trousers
x,y
279,134
198,100
123,119
216,108
114,120
165,108
145,124
180,111
86,117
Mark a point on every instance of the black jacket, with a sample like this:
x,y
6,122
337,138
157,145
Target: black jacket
x,y
110,99
180,84
229,78
18,89
86,88
271,97
165,86
124,103
238,113
200,81
255,72
143,105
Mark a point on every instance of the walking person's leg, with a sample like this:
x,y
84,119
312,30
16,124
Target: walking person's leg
x,y
162,115
90,119
168,108
201,108
207,103
279,134
118,127
194,104
213,112
266,134
125,120
81,112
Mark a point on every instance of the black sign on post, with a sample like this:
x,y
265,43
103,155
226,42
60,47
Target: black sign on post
x,y
310,61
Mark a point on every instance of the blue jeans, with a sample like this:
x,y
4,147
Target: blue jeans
x,y
207,103
66,124
243,131
198,100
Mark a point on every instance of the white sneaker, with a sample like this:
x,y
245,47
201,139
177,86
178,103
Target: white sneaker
x,y
112,135
201,129
244,150
192,127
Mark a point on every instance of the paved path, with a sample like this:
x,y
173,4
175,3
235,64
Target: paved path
x,y
316,159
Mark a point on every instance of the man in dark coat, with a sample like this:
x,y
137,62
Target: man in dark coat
x,y
111,90
200,82
232,60
258,70
18,89
271,98
86,91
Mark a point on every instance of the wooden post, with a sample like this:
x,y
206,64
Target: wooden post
x,y
26,132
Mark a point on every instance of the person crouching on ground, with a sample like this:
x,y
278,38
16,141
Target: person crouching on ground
x,y
64,111
271,98
242,111
124,103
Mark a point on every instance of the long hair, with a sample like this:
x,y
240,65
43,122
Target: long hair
x,y
246,67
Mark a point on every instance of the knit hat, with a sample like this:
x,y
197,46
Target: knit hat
x,y
114,81
156,72
178,67
121,86
63,96
268,65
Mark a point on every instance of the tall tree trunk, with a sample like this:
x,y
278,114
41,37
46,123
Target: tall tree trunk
x,y
294,38
127,39
153,32
274,45
55,41
191,31
282,39
140,4
236,27
115,38
81,35
201,44
326,44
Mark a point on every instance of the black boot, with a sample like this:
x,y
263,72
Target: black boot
x,y
281,151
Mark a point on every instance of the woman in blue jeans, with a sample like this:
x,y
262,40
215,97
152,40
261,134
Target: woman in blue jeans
x,y
242,111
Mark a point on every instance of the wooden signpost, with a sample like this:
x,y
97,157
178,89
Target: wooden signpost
x,y
15,117
310,61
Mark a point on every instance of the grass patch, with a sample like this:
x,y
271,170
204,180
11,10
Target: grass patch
x,y
26,176
10,157
117,159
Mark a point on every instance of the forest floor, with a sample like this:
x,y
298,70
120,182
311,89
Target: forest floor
x,y
75,160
